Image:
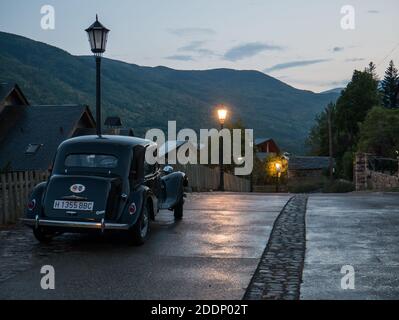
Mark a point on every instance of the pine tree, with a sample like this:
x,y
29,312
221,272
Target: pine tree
x,y
389,87
371,69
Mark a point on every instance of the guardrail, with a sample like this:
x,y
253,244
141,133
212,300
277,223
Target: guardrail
x,y
384,165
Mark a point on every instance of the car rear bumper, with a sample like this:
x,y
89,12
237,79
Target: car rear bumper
x,y
74,224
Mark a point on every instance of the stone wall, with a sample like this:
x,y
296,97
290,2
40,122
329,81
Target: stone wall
x,y
366,179
360,171
380,181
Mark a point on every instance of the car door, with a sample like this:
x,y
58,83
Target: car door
x,y
152,181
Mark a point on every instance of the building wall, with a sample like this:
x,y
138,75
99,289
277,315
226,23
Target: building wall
x,y
268,147
310,173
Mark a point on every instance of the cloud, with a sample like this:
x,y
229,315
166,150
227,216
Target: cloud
x,y
179,57
339,83
373,11
248,50
192,46
315,82
295,64
190,32
354,59
196,47
338,49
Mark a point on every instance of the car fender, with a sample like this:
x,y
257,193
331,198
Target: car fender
x,y
174,184
37,196
139,197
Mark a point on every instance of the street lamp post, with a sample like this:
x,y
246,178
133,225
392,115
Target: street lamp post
x,y
222,114
98,35
278,171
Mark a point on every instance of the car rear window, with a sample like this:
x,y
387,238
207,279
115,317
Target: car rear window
x,y
91,161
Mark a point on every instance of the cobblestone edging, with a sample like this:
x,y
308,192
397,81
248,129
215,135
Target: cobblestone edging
x,y
279,273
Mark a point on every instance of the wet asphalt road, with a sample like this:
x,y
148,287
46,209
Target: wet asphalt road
x,y
361,230
211,254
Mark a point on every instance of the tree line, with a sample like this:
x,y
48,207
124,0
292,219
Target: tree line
x,y
364,118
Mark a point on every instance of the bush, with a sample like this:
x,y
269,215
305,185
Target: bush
x,y
339,186
347,165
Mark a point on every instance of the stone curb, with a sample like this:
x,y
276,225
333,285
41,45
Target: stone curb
x,y
279,273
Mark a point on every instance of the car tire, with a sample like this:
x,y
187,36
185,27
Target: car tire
x,y
42,235
178,211
138,234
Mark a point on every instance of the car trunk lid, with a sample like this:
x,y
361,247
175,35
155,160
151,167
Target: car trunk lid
x,y
86,198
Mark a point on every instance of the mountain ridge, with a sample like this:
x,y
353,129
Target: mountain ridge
x,y
147,97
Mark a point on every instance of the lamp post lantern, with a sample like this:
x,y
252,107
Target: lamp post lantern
x,y
98,35
278,171
222,115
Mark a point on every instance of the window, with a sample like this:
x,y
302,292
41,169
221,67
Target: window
x,y
31,149
91,161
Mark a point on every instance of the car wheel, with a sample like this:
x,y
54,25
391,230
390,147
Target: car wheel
x,y
178,211
139,232
42,235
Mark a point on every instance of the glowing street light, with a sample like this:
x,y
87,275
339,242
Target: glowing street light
x,y
222,114
278,171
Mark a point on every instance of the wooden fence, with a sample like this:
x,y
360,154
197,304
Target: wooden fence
x,y
203,179
15,188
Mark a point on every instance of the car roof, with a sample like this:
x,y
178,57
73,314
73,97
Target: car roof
x,y
122,141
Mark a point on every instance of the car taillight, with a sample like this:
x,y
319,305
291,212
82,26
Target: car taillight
x,y
32,204
132,208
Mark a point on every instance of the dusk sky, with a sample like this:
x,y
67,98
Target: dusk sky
x,y
299,42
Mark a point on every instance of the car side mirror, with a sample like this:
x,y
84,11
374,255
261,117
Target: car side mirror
x,y
168,170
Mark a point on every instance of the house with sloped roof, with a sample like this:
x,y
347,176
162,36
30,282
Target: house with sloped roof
x,y
11,94
30,134
265,147
307,167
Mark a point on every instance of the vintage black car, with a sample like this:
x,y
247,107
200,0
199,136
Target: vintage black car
x,y
104,183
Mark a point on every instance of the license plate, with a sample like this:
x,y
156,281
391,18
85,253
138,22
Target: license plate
x,y
73,205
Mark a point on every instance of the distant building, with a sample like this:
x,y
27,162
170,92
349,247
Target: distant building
x,y
30,135
307,167
266,147
11,95
113,126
